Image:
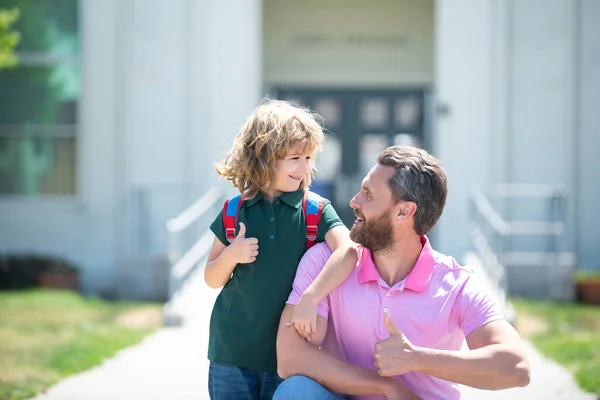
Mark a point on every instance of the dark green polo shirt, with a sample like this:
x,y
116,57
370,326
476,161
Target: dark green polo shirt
x,y
244,321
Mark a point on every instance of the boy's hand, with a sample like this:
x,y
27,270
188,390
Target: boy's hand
x,y
243,249
304,317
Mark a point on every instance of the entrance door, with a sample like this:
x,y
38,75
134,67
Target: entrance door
x,y
360,123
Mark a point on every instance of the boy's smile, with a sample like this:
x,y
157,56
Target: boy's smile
x,y
291,170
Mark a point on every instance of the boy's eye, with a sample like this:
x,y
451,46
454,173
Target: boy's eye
x,y
295,158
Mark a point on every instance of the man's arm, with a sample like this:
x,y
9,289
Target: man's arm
x,y
295,356
496,359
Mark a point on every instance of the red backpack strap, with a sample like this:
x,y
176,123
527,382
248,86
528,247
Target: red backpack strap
x,y
231,210
312,205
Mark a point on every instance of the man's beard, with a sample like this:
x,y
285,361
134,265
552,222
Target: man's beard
x,y
375,235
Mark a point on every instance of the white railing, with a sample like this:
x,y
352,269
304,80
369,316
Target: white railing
x,y
491,234
183,263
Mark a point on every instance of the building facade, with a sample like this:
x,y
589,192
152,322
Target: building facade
x,y
148,96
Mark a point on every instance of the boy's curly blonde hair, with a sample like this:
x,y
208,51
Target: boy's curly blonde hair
x,y
275,128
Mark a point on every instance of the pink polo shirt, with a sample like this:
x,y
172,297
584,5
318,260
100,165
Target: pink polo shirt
x,y
436,306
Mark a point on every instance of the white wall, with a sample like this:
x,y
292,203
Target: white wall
x,y
227,78
542,90
542,132
224,84
512,94
348,42
463,140
193,76
588,102
155,152
156,102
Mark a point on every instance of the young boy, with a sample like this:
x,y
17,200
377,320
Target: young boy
x,y
271,164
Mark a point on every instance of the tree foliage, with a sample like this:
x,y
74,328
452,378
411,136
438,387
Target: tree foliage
x,y
8,38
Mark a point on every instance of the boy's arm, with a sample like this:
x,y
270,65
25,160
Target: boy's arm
x,y
222,259
337,268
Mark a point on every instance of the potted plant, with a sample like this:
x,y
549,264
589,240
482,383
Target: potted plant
x,y
587,285
57,273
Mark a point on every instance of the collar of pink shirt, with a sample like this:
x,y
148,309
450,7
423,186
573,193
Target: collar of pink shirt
x,y
417,280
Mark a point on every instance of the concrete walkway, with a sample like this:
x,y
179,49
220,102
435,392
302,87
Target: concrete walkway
x,y
171,364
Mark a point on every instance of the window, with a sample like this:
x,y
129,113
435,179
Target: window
x,y
38,101
330,110
374,113
407,113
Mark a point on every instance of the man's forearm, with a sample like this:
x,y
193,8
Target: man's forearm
x,y
298,357
494,367
302,358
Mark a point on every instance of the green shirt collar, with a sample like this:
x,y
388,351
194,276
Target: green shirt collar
x,y
292,199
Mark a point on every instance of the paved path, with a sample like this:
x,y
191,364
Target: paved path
x,y
171,364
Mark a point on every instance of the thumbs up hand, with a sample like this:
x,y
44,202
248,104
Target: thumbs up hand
x,y
394,355
245,250
387,320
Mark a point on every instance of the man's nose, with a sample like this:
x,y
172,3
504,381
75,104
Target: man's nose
x,y
353,202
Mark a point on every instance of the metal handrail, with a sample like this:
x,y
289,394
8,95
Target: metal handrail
x,y
528,190
535,228
485,208
508,250
192,256
502,230
183,265
514,228
195,211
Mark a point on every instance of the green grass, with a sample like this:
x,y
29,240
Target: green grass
x,y
48,335
567,333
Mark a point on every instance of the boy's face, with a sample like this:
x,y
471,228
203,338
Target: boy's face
x,y
290,171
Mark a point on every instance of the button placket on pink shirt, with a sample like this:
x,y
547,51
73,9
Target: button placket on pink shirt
x,y
388,296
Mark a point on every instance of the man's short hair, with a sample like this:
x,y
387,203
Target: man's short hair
x,y
419,178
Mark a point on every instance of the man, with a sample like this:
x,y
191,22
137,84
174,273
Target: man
x,y
400,319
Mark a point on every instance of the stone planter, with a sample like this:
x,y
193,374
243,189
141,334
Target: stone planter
x,y
588,290
59,280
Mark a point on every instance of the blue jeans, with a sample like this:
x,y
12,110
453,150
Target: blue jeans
x,y
234,383
300,388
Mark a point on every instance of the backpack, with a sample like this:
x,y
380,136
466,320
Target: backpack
x,y
312,207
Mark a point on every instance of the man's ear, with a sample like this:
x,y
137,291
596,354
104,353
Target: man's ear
x,y
406,209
